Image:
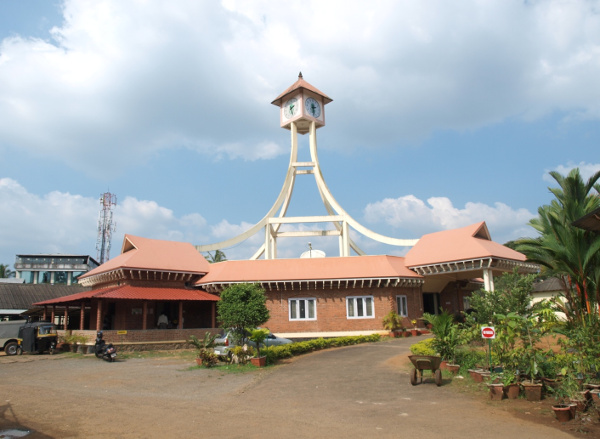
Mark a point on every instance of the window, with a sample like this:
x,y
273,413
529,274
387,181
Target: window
x,y
466,303
402,306
303,309
360,307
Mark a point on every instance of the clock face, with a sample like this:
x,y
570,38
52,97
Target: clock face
x,y
312,107
290,108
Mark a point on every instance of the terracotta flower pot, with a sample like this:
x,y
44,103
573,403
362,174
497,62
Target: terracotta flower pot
x,y
259,362
563,412
476,375
512,391
414,332
533,391
453,368
496,392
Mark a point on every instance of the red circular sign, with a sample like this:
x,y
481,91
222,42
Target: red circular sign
x,y
488,332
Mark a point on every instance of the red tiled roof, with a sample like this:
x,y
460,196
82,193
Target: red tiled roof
x,y
131,292
301,83
272,270
155,254
471,242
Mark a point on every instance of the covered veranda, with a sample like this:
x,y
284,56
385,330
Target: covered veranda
x,y
130,307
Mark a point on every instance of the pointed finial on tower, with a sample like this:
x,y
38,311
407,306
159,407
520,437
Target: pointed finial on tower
x,y
300,75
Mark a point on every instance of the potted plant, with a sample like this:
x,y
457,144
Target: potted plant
x,y
204,349
414,331
446,334
392,322
565,409
511,386
258,336
74,340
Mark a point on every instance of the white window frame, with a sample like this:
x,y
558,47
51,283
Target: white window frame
x,y
402,305
354,300
306,300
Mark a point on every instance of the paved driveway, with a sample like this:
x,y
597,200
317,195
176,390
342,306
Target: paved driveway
x,y
352,392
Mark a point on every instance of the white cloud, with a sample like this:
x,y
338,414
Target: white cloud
x,y
585,169
65,223
414,215
126,79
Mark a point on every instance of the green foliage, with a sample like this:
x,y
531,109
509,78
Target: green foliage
x,y
424,347
469,358
258,336
274,353
242,306
209,359
565,251
75,338
446,334
243,353
218,256
512,294
581,346
207,342
5,271
392,321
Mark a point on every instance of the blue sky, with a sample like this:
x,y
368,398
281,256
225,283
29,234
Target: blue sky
x,y
444,114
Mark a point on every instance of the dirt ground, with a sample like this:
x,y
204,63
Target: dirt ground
x,y
355,392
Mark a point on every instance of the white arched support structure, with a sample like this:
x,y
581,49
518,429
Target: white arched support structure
x,y
272,221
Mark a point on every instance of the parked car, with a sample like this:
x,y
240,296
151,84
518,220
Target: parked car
x,y
225,343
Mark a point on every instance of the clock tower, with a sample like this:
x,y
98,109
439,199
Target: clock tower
x,y
302,104
302,111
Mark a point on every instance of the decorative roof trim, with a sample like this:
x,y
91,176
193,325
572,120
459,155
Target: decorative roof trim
x,y
473,265
321,284
139,274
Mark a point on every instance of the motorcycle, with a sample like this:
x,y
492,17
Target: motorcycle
x,y
102,350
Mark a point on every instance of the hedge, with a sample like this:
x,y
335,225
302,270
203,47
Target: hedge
x,y
274,353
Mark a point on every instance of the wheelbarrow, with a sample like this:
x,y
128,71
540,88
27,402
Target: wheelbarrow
x,y
425,362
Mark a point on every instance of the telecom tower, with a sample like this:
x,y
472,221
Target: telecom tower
x,y
302,111
105,226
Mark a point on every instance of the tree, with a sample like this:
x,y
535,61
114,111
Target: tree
x,y
512,294
565,251
242,306
219,256
5,271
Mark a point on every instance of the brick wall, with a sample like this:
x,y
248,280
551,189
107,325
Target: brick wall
x,y
331,309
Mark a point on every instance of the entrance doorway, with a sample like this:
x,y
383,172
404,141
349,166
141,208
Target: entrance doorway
x,y
431,303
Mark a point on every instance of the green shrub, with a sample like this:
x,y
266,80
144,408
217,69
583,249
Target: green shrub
x,y
424,347
274,353
469,358
243,355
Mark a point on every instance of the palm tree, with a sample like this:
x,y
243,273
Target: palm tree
x,y
219,256
565,251
5,271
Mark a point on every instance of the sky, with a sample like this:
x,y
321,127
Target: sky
x,y
444,114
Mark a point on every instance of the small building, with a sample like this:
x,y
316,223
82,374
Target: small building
x,y
148,279
53,268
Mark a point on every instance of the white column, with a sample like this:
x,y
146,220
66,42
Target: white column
x,y
488,279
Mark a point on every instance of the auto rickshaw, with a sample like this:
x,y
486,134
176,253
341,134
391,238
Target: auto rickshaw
x,y
38,337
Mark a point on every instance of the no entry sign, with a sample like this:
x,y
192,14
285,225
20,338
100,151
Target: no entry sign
x,y
488,332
